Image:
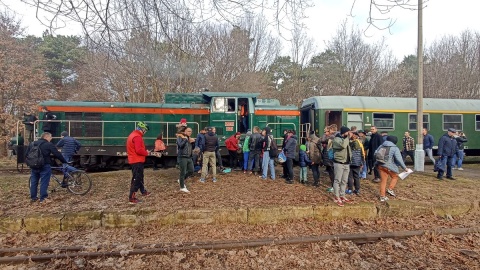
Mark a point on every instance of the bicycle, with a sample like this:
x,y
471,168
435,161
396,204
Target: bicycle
x,y
76,181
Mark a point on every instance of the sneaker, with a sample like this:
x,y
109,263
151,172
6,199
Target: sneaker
x,y
202,180
391,192
454,168
348,191
214,180
261,177
245,172
338,201
345,200
34,200
450,178
146,194
376,180
356,192
439,177
383,199
184,190
134,201
64,184
178,181
460,169
289,182
330,189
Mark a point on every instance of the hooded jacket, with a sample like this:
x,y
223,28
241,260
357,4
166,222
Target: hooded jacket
x,y
290,146
341,149
447,146
394,158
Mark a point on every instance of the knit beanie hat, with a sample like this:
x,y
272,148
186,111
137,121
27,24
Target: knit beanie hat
x,y
343,130
392,139
303,147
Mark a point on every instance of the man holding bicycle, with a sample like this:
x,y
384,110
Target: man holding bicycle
x,y
43,173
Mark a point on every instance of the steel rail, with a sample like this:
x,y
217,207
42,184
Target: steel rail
x,y
153,249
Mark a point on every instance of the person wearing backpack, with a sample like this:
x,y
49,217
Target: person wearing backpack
x,y
269,154
393,159
42,173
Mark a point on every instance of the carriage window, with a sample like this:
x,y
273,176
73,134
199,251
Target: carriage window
x,y
412,121
477,122
453,121
219,105
384,121
355,119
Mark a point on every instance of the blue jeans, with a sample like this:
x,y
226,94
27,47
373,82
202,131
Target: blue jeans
x,y
458,158
41,175
363,173
447,161
268,162
245,160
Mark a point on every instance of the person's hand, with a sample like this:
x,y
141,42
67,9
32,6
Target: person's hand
x,y
191,140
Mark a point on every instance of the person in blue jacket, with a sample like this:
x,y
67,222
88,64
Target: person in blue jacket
x,y
447,148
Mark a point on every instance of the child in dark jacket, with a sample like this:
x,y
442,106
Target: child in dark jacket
x,y
304,161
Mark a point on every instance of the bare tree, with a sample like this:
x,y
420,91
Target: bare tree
x,y
452,69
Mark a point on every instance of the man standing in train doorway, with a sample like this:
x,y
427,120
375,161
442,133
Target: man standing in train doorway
x,y
137,153
244,115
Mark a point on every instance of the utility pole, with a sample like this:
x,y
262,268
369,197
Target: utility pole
x,y
419,153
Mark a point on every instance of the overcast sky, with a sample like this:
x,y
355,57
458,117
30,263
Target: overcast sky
x,y
441,17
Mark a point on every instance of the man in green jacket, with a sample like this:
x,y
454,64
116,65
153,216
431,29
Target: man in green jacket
x,y
341,164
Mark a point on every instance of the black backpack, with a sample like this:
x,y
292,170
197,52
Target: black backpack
x,y
273,152
34,159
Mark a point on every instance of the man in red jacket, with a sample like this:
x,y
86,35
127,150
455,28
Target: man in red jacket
x,y
136,153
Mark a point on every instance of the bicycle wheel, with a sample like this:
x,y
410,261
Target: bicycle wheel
x,y
79,183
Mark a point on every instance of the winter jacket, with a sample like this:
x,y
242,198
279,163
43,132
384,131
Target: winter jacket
x,y
394,158
232,143
256,142
69,146
447,146
358,153
211,142
184,146
29,119
460,140
136,151
48,126
47,149
245,147
341,150
303,159
428,142
375,141
314,149
290,146
200,141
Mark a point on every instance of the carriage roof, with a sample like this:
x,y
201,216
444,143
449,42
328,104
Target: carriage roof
x,y
391,104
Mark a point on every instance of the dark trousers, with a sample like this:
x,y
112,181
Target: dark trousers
x,y
331,174
233,159
254,159
354,178
289,168
410,154
186,169
316,173
219,158
137,179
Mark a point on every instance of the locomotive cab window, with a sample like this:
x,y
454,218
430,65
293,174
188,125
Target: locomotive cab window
x,y
412,121
221,104
384,121
477,122
453,121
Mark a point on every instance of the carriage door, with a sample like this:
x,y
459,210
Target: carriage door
x,y
223,117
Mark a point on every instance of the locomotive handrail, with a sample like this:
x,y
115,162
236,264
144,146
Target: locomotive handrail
x,y
68,128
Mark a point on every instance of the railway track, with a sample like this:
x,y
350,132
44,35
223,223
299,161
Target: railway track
x,y
41,254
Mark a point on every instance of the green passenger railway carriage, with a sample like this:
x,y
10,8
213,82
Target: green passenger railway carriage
x,y
102,127
395,115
